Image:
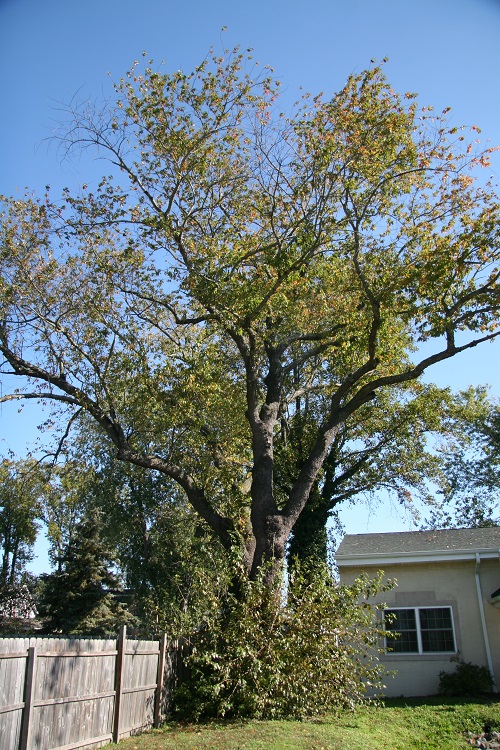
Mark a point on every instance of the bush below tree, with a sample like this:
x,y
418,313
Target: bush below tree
x,y
260,657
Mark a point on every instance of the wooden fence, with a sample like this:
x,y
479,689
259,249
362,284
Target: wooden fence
x,y
69,693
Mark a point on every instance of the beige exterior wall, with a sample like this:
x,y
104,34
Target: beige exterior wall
x,y
441,584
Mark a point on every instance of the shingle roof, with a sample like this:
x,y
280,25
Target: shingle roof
x,y
420,541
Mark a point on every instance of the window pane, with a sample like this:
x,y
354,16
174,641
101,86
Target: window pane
x,y
435,618
400,619
401,631
437,640
405,643
436,630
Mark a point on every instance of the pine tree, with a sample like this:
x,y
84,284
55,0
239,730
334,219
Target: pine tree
x,y
80,599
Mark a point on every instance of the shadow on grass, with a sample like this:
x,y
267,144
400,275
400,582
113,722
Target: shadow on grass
x,y
492,699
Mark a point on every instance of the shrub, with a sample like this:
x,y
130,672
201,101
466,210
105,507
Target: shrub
x,y
466,679
260,657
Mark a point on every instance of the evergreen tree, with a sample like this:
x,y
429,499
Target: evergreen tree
x,y
80,599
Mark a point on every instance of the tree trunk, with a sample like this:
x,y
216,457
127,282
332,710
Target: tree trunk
x,y
5,561
271,535
13,562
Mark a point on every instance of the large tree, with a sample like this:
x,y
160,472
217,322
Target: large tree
x,y
248,260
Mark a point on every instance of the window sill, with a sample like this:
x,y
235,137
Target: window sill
x,y
445,656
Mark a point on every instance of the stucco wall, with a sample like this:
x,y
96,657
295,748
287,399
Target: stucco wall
x,y
440,584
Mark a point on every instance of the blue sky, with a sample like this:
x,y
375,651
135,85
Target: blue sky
x,y
446,50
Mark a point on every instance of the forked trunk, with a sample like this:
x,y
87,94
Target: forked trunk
x,y
271,534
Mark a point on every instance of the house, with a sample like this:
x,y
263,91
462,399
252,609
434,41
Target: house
x,y
18,611
446,601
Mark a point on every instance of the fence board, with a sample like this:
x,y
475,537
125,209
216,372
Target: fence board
x,y
139,683
13,656
29,688
160,675
119,682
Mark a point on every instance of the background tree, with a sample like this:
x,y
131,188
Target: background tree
x,y
22,486
405,447
252,259
67,501
167,557
470,479
81,597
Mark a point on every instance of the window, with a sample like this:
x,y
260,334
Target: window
x,y
420,630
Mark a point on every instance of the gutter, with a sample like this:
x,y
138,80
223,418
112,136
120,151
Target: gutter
x,y
483,621
395,558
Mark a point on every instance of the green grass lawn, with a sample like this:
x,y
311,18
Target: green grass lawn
x,y
403,724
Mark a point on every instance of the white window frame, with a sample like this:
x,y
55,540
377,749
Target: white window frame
x,y
421,651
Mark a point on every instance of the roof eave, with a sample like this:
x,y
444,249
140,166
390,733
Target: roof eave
x,y
376,559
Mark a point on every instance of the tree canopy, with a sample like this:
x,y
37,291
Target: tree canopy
x,y
22,488
239,263
470,465
391,446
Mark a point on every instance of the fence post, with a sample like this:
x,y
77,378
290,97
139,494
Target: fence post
x,y
120,656
28,699
160,676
